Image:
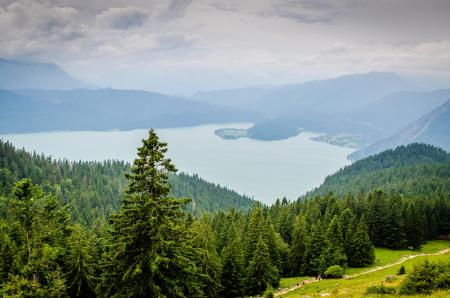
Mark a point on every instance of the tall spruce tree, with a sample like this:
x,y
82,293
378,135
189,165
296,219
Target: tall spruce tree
x,y
298,247
348,225
41,228
149,255
376,220
261,272
81,263
206,256
232,278
334,236
395,236
315,258
363,253
413,227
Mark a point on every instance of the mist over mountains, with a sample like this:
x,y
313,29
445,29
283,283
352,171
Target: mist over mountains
x,y
379,108
32,75
433,128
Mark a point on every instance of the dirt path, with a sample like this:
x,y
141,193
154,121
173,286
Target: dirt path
x,y
310,281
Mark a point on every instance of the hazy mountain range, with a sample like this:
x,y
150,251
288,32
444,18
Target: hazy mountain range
x,y
368,107
105,109
24,75
433,128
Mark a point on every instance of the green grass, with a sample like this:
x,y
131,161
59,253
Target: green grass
x,y
356,287
290,282
384,256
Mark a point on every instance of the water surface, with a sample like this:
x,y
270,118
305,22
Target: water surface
x,y
265,170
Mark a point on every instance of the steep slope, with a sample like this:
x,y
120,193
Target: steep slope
x,y
104,109
433,128
29,75
397,110
94,189
415,169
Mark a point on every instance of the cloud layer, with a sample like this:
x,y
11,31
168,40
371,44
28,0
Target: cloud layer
x,y
181,46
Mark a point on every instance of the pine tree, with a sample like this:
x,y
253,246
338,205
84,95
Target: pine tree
x,y
42,228
232,278
257,226
315,260
413,228
348,224
206,257
334,236
363,253
81,262
395,237
298,248
261,272
7,251
376,212
148,253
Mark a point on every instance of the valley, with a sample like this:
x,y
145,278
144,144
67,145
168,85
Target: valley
x,y
287,168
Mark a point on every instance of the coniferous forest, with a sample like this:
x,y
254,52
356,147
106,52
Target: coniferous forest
x,y
111,229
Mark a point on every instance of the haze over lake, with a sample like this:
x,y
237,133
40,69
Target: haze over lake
x,y
265,170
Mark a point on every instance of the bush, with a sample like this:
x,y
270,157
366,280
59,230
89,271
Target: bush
x,y
401,270
269,293
381,289
426,278
334,271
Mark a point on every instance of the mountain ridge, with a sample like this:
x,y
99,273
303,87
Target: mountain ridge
x,y
432,128
36,75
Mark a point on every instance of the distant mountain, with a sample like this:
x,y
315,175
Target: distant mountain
x,y
416,169
395,111
433,128
30,75
242,98
331,96
343,93
317,105
105,109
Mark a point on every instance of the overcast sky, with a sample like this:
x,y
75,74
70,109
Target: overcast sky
x,y
180,46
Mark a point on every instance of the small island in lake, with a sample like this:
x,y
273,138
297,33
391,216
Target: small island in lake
x,y
231,133
343,140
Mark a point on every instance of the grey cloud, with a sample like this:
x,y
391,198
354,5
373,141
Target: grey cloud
x,y
123,18
174,41
175,9
309,11
225,6
303,17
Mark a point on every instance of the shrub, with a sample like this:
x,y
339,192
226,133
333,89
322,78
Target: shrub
x,y
381,289
334,271
269,293
401,270
426,278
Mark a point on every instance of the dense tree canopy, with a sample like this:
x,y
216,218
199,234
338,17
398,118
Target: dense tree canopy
x,y
63,231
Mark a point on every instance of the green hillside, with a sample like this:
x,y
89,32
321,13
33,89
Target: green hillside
x,y
94,189
415,169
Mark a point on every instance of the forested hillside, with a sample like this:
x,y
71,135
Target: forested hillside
x,y
150,247
94,189
415,169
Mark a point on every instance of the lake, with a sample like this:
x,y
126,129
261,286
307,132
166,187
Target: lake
x,y
265,170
